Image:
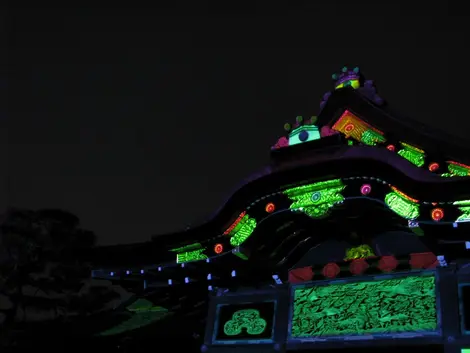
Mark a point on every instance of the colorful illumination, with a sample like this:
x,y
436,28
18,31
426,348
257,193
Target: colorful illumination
x,y
304,133
270,208
388,263
437,214
358,266
402,194
242,231
425,260
381,306
189,256
218,248
316,199
391,148
359,252
234,224
433,167
299,275
249,320
412,154
402,205
366,189
464,207
331,270
351,126
347,78
457,169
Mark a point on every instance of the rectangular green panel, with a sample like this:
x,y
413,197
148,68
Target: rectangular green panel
x,y
385,305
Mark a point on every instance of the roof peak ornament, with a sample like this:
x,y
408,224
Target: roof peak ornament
x,y
348,77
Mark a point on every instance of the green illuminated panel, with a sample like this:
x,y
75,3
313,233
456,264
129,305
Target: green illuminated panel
x,y
458,170
464,207
242,230
188,256
372,307
316,199
412,154
310,133
402,206
371,137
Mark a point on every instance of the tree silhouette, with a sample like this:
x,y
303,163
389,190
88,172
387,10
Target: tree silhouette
x,y
43,277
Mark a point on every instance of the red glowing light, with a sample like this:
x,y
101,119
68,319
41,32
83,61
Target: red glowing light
x,y
433,167
391,148
388,263
423,260
218,248
331,270
366,189
270,207
349,127
299,275
358,266
437,214
234,224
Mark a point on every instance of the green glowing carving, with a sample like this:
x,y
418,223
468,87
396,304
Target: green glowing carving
x,y
242,230
457,170
371,137
384,306
412,154
316,199
359,252
188,256
142,313
248,319
464,207
402,206
189,247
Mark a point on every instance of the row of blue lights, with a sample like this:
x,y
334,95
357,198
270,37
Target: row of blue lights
x,y
159,268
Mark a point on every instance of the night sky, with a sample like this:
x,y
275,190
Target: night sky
x,y
143,121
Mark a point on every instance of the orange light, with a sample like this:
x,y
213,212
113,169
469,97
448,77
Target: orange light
x,y
437,214
433,167
270,207
218,248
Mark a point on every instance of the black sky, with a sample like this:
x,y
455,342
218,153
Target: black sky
x,y
142,121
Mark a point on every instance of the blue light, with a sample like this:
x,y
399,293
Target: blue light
x,y
128,272
208,260
159,269
209,288
111,274
209,276
182,265
186,280
234,273
170,282
142,272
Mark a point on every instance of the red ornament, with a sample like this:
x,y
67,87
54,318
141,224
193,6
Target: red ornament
x,y
391,148
331,270
388,263
218,248
423,260
358,266
437,214
299,275
349,127
270,207
433,167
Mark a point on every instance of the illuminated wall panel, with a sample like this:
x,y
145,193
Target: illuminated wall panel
x,y
375,306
